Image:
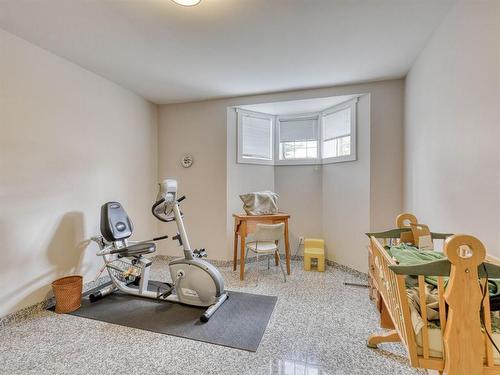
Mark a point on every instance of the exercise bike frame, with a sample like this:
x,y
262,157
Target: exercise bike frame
x,y
110,252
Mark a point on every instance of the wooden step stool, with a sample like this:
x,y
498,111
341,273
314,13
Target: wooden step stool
x,y
314,248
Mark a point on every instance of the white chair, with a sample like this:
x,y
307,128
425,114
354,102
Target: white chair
x,y
265,241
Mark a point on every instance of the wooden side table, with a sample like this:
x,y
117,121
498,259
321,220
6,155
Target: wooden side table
x,y
246,224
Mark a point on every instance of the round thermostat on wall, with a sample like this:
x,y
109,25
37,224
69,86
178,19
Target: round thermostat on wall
x,y
187,160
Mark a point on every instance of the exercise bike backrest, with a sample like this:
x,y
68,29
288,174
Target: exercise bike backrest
x,y
115,223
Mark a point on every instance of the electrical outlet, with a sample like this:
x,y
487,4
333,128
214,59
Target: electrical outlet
x,y
301,240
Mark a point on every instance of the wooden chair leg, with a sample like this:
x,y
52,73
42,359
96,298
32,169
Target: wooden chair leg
x,y
242,257
235,251
375,339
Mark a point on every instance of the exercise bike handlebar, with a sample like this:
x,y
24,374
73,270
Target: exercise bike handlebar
x,y
159,238
162,200
153,211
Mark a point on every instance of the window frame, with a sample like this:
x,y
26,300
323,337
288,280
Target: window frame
x,y
352,104
239,157
300,161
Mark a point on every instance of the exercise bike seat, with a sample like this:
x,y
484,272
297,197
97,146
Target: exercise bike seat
x,y
139,249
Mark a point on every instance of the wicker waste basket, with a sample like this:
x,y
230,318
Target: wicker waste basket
x,y
68,293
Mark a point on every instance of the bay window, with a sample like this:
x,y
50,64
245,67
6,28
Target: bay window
x,y
323,137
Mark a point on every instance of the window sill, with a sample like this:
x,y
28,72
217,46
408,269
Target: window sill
x,y
339,159
278,163
298,162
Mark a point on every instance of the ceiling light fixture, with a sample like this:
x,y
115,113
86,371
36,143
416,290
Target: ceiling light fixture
x,y
187,3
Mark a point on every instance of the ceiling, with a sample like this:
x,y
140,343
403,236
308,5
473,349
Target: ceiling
x,y
169,53
295,107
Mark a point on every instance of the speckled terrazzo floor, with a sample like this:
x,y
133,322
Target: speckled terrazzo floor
x,y
319,326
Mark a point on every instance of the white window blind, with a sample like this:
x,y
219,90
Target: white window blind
x,y
298,138
256,137
336,134
337,124
298,130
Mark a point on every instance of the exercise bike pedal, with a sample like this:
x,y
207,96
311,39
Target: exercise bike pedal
x,y
163,290
137,281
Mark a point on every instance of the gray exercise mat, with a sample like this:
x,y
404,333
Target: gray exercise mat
x,y
239,323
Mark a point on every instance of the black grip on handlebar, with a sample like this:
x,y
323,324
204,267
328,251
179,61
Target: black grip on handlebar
x,y
160,238
154,213
116,251
181,199
157,204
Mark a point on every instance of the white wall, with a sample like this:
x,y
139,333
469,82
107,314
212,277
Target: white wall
x,y
346,199
70,141
200,128
301,195
452,128
386,155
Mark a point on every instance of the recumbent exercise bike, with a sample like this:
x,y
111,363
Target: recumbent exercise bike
x,y
195,281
